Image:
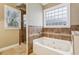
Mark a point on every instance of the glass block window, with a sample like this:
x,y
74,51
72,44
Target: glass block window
x,y
57,16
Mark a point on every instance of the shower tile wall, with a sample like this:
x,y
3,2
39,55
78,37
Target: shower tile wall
x,y
34,32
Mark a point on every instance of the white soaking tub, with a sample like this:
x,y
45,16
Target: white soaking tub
x,y
51,46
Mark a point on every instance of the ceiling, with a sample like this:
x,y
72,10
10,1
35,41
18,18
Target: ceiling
x,y
44,3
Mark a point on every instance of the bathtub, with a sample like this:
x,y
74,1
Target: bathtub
x,y
51,46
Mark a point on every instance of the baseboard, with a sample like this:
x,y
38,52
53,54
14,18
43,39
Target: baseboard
x,y
8,47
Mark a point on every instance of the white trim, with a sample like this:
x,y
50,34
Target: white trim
x,y
27,20
8,47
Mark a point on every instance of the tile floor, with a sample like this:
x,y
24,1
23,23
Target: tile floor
x,y
18,50
32,54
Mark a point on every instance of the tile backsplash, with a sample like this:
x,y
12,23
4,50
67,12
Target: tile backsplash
x,y
57,30
58,33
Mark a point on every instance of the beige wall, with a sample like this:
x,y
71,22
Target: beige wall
x,y
7,36
74,13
